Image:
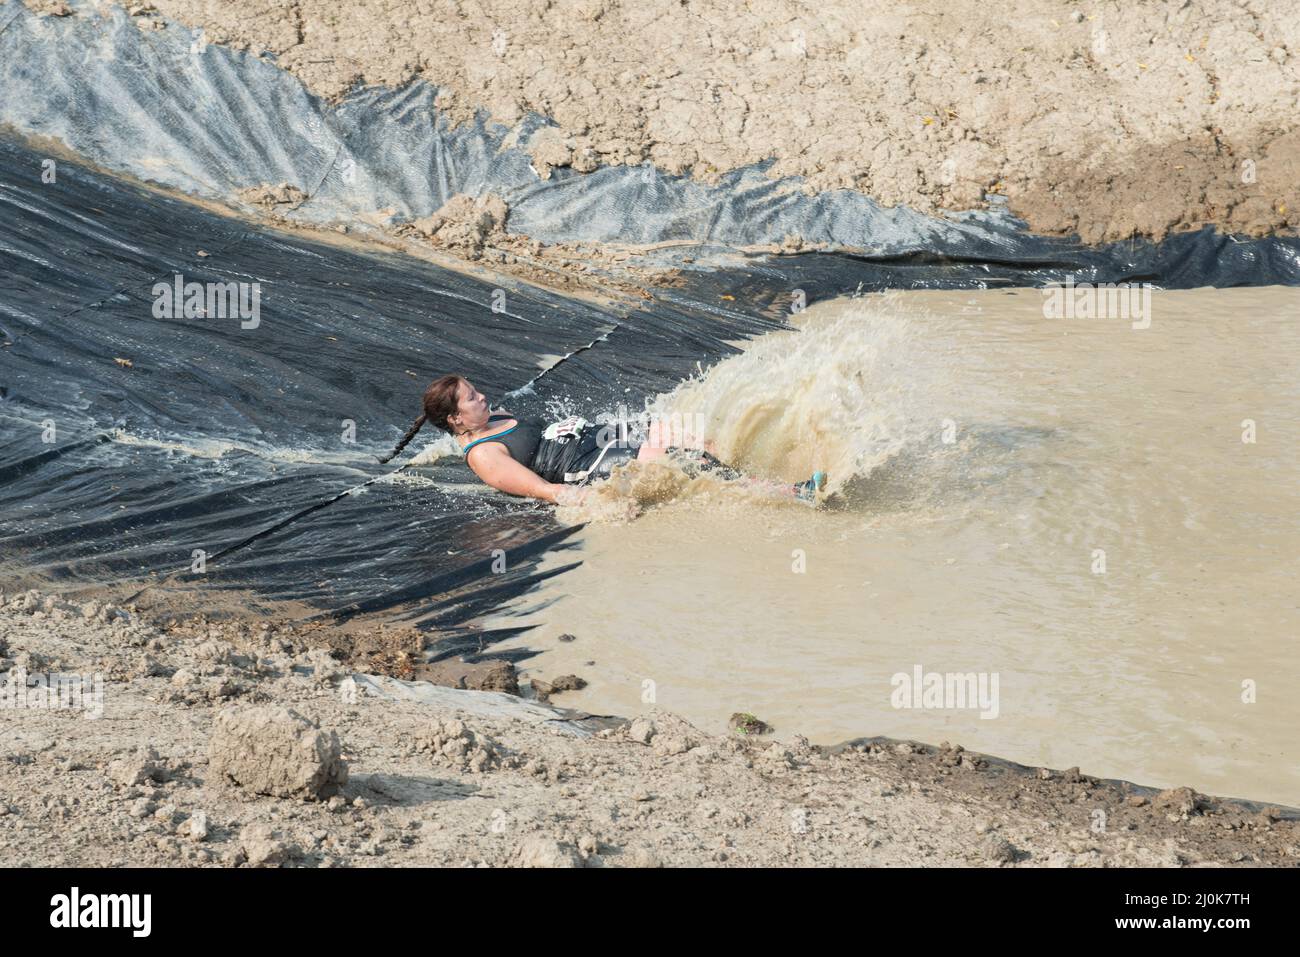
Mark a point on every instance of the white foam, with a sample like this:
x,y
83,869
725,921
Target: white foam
x,y
842,394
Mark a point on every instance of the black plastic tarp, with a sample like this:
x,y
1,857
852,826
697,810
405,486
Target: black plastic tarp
x,y
214,433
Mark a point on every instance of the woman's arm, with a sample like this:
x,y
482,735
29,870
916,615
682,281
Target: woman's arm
x,y
493,464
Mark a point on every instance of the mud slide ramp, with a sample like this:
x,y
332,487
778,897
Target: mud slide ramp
x,y
130,442
136,447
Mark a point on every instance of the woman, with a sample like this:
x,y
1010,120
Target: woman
x,y
524,456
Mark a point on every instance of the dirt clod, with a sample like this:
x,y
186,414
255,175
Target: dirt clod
x,y
538,851
276,751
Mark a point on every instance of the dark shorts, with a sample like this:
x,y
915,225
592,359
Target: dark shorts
x,y
616,455
557,459
692,461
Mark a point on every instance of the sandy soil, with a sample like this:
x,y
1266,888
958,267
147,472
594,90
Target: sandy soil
x,y
1105,119
159,777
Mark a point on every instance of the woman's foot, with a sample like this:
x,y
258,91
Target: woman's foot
x,y
807,491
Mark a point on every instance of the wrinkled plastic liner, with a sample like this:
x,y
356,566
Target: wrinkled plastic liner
x,y
169,107
214,434
208,437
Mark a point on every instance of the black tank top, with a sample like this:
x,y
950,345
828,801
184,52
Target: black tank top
x,y
521,440
551,459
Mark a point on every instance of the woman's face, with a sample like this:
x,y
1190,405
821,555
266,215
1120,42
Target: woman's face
x,y
473,411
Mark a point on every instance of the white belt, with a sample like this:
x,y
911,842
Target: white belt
x,y
580,477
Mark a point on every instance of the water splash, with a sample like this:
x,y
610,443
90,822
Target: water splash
x,y
840,394
846,392
444,446
201,447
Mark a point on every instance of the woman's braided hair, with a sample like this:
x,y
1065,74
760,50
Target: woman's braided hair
x,y
441,402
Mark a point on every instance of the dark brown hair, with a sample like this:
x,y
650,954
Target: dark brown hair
x,y
441,402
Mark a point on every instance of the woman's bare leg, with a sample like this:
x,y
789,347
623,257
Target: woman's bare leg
x,y
665,434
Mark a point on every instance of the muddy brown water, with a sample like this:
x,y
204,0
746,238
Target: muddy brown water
x,y
1099,523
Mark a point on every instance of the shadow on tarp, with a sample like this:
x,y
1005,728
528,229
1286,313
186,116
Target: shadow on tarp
x,y
129,443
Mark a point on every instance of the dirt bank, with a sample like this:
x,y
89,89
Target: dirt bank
x,y
1103,118
467,778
